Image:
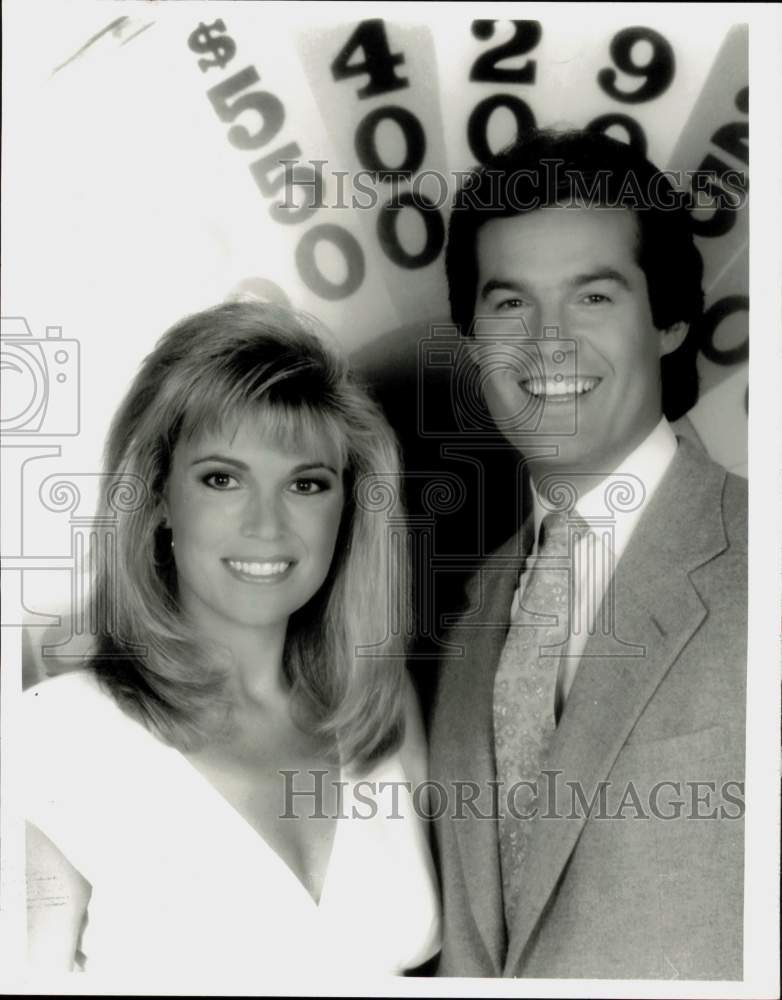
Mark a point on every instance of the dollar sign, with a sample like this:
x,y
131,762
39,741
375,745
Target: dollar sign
x,y
212,38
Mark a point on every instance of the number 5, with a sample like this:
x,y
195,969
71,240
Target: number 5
x,y
266,105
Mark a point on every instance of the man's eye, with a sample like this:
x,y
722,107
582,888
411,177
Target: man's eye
x,y
308,486
513,303
596,298
220,481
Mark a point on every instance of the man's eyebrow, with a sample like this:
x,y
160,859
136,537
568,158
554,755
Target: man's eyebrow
x,y
507,285
601,274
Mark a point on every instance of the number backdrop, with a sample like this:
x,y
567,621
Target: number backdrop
x,y
169,156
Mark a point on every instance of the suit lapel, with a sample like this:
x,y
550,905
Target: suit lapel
x,y
657,609
483,636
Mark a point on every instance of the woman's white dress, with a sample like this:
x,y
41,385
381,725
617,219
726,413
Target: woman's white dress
x,y
180,880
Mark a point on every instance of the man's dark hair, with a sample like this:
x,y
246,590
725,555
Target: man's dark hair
x,y
545,168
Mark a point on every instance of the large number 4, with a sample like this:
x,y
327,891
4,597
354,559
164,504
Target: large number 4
x,y
379,61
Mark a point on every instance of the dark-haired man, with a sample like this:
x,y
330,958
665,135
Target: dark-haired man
x,y
591,732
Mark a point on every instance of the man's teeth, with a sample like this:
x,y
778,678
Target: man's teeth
x,y
561,387
259,568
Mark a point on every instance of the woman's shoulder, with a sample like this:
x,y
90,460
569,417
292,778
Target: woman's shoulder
x,y
72,713
74,683
77,753
77,690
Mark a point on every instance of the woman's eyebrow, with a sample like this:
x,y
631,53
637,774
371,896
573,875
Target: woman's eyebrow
x,y
309,466
223,459
244,467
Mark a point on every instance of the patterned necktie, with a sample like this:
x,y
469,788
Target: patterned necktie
x,y
525,689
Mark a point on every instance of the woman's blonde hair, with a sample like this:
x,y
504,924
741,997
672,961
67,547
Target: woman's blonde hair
x,y
205,374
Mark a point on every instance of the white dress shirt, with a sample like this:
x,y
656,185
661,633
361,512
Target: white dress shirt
x,y
612,510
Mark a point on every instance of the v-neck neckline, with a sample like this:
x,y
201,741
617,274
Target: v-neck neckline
x,y
243,822
198,778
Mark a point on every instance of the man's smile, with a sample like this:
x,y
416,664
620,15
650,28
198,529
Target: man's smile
x,y
559,388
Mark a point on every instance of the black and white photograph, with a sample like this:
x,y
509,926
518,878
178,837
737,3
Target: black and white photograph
x,y
391,525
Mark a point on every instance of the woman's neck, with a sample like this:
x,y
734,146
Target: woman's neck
x,y
254,663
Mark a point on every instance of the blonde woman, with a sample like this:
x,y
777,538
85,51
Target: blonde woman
x,y
225,786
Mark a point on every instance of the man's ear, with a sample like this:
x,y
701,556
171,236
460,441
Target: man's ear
x,y
673,337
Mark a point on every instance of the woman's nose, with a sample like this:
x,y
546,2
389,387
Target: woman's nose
x,y
262,517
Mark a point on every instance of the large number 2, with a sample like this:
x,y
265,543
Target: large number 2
x,y
657,72
526,35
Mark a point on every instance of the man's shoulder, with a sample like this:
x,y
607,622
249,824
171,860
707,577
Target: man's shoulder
x,y
728,500
698,497
700,528
735,509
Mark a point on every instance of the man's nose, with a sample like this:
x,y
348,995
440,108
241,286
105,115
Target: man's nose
x,y
263,516
556,340
549,322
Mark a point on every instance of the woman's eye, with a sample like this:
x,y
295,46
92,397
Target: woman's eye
x,y
510,304
220,481
308,485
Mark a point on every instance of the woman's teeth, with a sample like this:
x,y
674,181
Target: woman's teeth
x,y
562,386
258,568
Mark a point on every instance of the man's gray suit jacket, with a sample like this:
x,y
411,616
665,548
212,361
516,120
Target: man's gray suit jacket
x,y
649,885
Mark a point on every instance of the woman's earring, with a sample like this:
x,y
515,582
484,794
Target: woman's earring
x,y
164,550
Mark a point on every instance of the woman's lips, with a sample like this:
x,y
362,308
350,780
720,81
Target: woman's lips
x,y
259,570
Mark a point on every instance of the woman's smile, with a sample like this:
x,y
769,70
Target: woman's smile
x,y
260,571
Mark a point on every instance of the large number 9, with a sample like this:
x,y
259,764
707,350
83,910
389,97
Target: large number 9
x,y
658,71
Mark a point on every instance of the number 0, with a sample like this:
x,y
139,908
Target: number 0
x,y
351,252
478,124
415,141
387,223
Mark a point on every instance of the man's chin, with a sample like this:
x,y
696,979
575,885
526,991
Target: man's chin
x,y
557,453
544,442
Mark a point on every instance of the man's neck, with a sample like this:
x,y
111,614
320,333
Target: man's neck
x,y
637,474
